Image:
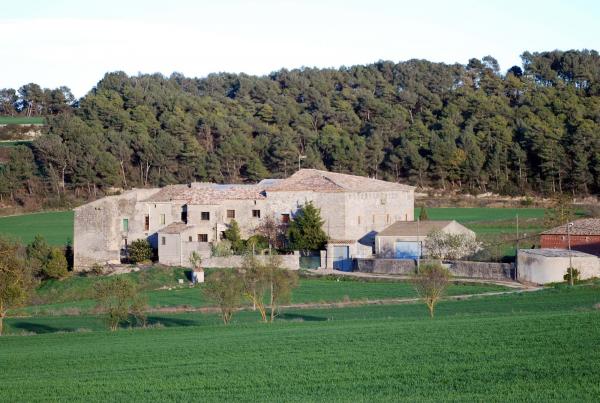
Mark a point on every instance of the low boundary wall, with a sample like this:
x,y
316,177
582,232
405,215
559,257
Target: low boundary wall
x,y
483,270
291,262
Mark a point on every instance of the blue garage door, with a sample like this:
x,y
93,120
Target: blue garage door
x,y
341,258
408,250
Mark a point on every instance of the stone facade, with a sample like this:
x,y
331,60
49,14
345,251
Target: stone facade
x,y
180,219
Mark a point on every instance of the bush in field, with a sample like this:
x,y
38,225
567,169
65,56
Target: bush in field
x,y
119,299
140,251
430,284
255,282
224,288
57,266
15,279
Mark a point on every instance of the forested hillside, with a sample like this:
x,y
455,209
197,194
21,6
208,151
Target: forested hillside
x,y
469,127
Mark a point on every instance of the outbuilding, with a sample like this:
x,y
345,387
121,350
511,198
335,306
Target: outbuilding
x,y
543,266
583,235
404,239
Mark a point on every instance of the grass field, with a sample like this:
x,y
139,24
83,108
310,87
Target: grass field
x,y
76,293
56,227
21,120
14,143
540,346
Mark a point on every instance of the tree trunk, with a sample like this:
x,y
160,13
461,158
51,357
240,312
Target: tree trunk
x,y
272,304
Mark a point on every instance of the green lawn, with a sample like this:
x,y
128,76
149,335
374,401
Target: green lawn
x,y
540,346
21,120
56,227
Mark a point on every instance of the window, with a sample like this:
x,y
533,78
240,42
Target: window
x,y
163,240
387,219
358,220
162,219
190,238
202,237
146,223
285,218
205,216
125,224
230,213
184,216
222,235
256,213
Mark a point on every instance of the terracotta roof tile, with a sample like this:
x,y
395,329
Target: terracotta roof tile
x,y
324,181
586,226
207,193
410,228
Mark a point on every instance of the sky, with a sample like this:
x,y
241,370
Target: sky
x,y
74,43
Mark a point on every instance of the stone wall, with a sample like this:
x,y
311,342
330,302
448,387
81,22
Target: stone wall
x,y
483,270
290,262
98,233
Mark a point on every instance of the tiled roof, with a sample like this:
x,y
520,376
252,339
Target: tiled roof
x,y
413,228
586,226
324,181
173,228
207,193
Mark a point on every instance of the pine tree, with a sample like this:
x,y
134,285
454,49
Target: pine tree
x,y
306,230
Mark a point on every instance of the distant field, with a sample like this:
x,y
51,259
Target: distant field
x,y
538,346
21,120
14,143
56,227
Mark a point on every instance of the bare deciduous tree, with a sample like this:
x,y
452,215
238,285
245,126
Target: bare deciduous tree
x,y
119,299
431,283
225,287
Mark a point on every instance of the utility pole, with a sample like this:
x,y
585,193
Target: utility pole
x,y
517,233
419,243
569,225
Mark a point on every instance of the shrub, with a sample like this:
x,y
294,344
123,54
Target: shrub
x,y
57,266
222,248
576,274
233,235
140,251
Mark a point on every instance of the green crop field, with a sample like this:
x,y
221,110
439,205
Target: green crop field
x,y
535,346
75,294
56,227
21,120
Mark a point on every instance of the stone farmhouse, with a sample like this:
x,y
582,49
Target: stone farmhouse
x,y
180,219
